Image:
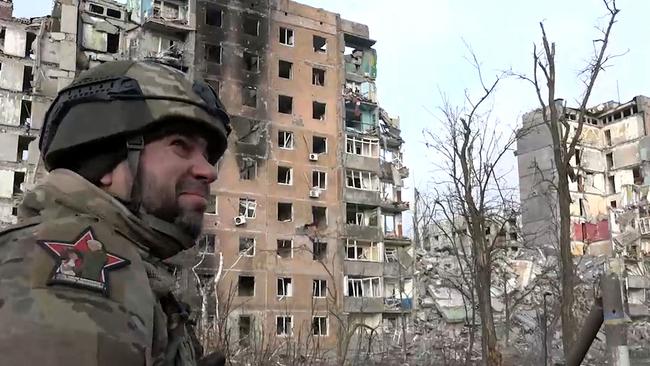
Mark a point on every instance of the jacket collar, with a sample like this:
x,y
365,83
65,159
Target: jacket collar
x,y
65,193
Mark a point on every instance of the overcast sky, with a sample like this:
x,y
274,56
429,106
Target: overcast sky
x,y
421,52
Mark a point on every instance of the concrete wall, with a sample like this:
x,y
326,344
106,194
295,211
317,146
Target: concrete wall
x,y
10,105
11,76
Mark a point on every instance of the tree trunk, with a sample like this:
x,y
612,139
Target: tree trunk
x,y
490,352
566,261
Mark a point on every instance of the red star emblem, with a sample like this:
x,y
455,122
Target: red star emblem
x,y
83,263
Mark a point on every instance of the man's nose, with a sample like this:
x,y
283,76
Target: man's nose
x,y
203,170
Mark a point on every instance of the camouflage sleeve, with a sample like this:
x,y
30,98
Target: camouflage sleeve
x,y
56,309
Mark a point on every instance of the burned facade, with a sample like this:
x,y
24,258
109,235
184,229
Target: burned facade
x,y
308,201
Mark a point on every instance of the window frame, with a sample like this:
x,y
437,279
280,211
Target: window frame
x,y
291,39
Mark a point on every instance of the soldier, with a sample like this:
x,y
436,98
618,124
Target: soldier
x,y
131,148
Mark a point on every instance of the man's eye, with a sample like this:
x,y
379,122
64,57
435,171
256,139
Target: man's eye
x,y
182,144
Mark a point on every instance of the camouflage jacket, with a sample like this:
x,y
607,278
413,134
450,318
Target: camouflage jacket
x,y
79,287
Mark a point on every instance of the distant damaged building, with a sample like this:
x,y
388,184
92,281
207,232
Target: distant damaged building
x,y
608,157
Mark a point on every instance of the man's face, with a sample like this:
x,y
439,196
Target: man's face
x,y
175,180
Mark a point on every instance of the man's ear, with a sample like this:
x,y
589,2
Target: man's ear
x,y
107,179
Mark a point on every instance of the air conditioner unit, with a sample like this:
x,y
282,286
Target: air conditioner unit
x,y
313,157
240,220
314,193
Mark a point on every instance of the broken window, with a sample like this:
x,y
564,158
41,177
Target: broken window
x,y
608,138
249,96
360,215
317,77
361,180
19,180
284,287
246,246
319,179
247,207
363,287
246,286
251,26
245,326
318,110
113,42
636,175
285,248
612,184
389,225
319,216
319,325
94,8
113,13
285,140
23,147
31,37
283,325
248,169
610,160
212,205
388,192
320,44
319,145
285,211
285,69
213,16
285,104
319,288
362,146
166,10
285,175
319,251
363,250
251,62
25,112
27,79
213,53
206,244
286,36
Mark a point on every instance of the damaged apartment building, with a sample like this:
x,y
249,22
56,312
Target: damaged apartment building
x,y
307,207
610,210
607,158
31,72
40,56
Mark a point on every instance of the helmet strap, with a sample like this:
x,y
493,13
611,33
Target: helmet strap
x,y
134,147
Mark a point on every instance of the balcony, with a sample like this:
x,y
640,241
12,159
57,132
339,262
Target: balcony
x,y
396,238
362,232
395,304
363,268
363,304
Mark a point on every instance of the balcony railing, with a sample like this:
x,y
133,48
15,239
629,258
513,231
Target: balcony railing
x,y
397,304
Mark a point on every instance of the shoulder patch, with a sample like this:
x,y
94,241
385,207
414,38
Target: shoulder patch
x,y
84,263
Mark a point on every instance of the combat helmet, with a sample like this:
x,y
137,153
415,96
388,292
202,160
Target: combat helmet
x,y
116,102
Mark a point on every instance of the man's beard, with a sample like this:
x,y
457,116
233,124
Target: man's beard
x,y
159,202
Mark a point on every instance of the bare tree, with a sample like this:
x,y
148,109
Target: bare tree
x,y
564,148
473,197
